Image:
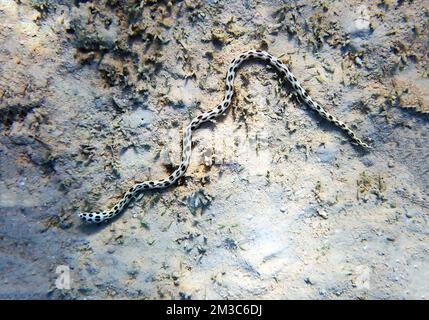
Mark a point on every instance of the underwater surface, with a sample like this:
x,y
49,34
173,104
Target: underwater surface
x,y
276,203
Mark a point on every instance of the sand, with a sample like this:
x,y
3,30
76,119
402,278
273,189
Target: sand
x,y
276,203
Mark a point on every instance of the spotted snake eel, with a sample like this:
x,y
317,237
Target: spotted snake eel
x,y
98,217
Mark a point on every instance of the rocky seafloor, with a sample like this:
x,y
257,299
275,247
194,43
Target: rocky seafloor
x,y
276,204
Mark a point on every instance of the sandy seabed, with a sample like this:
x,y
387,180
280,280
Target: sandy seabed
x,y
276,204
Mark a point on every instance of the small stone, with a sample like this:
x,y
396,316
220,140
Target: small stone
x,y
358,61
323,214
360,26
409,215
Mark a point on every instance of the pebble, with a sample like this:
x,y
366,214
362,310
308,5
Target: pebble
x,y
409,214
323,214
361,25
358,61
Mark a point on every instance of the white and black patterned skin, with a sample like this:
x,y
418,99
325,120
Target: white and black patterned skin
x,y
221,108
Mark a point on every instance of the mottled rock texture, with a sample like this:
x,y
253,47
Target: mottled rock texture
x,y
276,202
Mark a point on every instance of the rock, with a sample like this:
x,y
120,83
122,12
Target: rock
x,y
358,62
360,25
410,214
322,213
